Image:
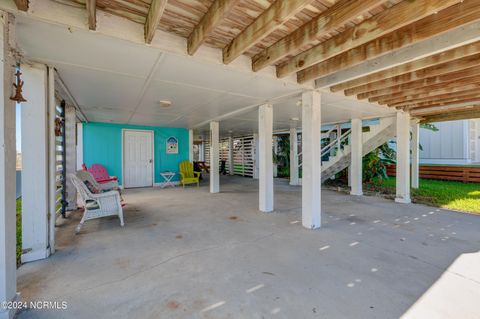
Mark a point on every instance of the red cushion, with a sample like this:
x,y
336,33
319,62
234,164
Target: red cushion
x,y
100,173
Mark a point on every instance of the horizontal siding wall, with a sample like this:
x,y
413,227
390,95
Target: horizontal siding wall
x,y
449,145
102,144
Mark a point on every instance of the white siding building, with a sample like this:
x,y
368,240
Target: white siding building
x,y
456,142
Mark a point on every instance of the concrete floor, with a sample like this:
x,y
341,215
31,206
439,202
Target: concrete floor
x,y
185,253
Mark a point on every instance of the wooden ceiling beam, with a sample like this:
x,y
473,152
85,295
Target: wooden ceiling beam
x,y
327,21
387,21
437,70
419,84
215,14
431,95
432,89
22,5
154,16
92,14
452,116
446,109
440,100
423,63
433,25
270,20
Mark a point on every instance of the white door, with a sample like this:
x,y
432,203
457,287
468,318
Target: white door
x,y
138,158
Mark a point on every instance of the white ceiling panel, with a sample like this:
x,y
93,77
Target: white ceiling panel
x,y
156,120
224,104
220,77
184,98
80,47
92,88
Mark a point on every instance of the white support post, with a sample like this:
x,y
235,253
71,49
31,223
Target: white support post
x,y
311,153
35,200
275,150
265,139
403,158
190,145
255,156
415,154
70,155
214,157
8,264
79,145
231,168
339,134
293,156
356,147
52,158
201,151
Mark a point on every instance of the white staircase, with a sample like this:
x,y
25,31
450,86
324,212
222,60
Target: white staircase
x,y
375,137
338,150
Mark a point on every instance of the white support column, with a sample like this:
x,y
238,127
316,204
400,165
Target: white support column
x,y
265,159
231,169
214,157
8,265
311,153
415,154
190,145
79,145
201,151
275,150
70,154
403,158
255,156
356,146
293,156
35,200
52,158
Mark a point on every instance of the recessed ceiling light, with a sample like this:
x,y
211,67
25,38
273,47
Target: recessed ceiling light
x,y
295,119
165,103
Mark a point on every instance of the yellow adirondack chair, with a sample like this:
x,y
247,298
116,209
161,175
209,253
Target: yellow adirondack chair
x,y
187,175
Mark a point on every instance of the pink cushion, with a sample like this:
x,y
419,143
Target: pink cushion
x,y
100,173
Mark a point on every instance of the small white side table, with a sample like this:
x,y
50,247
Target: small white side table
x,y
167,179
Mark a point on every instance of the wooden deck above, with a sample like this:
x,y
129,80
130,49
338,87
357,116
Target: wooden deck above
x,y
318,38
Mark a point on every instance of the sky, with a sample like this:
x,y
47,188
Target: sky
x,y
18,128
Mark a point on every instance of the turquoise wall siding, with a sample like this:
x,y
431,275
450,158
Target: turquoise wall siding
x,y
102,144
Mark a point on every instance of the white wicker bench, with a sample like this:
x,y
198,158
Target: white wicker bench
x,y
97,205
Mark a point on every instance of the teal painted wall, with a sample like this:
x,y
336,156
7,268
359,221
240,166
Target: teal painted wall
x,y
102,144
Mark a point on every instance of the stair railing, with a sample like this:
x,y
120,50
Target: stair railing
x,y
335,145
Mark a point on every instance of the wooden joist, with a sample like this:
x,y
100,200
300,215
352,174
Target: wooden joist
x,y
444,109
438,89
22,4
445,20
452,116
334,17
433,71
361,84
462,97
394,100
215,14
419,84
153,18
396,17
454,101
92,14
270,20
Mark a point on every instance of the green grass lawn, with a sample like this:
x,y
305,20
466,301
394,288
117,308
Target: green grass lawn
x,y
459,196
